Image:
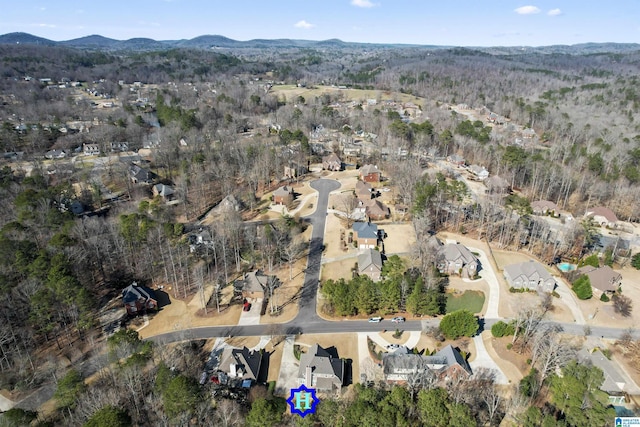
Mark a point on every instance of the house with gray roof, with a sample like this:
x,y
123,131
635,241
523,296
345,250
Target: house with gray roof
x,y
321,370
479,171
138,299
529,275
241,363
366,234
455,258
447,364
164,191
255,284
603,279
614,384
370,264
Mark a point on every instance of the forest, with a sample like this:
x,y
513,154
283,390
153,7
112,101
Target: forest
x,y
59,269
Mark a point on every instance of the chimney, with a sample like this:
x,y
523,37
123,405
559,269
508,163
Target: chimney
x,y
308,377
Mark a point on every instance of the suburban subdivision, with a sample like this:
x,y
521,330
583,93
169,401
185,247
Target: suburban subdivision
x,y
420,235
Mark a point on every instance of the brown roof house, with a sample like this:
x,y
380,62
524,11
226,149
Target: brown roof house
x,y
283,195
603,216
376,210
456,159
255,284
241,363
370,173
496,184
603,279
370,264
544,207
366,234
321,370
332,162
455,258
446,365
364,191
138,299
529,275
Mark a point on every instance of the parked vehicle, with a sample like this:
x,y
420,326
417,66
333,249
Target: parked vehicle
x,y
398,319
377,319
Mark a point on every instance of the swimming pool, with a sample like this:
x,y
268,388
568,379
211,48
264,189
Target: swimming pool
x,y
566,267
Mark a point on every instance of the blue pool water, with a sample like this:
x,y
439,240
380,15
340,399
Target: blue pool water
x,y
565,267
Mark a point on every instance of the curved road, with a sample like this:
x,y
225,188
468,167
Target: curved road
x,y
308,321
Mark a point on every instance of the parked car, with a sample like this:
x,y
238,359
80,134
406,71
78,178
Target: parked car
x,y
398,319
377,319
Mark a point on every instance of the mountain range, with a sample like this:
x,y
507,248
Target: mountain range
x,y
99,42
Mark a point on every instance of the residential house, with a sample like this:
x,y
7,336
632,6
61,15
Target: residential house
x,y
370,264
255,284
370,173
202,238
163,191
479,172
364,191
241,363
228,204
529,275
294,170
544,207
119,146
603,279
55,154
614,384
528,133
497,185
140,175
138,299
446,365
365,234
602,216
455,258
283,195
376,210
456,159
351,150
321,370
332,162
90,149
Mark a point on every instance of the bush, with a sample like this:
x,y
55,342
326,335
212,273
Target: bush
x,y
604,297
582,287
635,261
461,323
591,260
501,329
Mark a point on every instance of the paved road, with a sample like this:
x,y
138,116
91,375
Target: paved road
x,y
308,298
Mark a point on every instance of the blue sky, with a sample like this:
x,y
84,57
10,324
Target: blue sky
x,y
447,22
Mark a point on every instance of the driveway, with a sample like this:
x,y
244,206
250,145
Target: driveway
x,y
489,275
566,295
484,360
288,376
251,317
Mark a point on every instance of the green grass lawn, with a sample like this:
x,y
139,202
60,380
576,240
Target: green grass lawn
x,y
470,300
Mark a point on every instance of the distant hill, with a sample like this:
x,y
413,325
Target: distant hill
x,y
25,38
217,41
94,41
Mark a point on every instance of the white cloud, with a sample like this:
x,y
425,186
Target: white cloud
x,y
47,25
554,12
527,10
362,3
303,24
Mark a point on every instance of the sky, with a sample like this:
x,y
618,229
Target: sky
x,y
426,22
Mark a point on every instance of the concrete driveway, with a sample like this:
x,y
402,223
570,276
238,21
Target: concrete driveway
x,y
484,360
489,275
251,317
567,296
289,365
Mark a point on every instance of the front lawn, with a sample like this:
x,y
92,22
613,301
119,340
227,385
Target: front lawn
x,y
469,300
